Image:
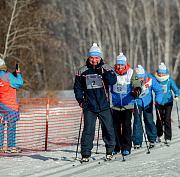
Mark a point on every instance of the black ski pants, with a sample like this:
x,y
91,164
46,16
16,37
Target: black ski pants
x,y
122,119
165,113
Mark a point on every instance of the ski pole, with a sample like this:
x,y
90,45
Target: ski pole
x,y
177,114
98,139
142,127
158,114
115,129
79,135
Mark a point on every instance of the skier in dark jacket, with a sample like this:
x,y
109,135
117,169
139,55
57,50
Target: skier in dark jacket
x,y
91,90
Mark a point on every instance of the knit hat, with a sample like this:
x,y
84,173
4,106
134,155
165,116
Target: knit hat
x,y
162,68
121,59
95,51
2,62
140,71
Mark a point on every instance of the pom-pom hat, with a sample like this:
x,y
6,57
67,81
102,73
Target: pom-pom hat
x,y
95,50
2,62
140,71
121,59
162,68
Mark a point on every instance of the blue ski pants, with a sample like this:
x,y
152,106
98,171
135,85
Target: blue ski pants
x,y
9,117
105,118
150,126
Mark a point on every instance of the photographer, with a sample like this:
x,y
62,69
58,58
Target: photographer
x,y
9,108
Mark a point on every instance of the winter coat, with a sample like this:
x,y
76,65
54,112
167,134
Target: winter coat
x,y
148,85
127,81
8,85
168,85
92,87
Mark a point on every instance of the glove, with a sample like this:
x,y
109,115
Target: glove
x,y
81,102
176,98
14,73
100,71
134,94
157,105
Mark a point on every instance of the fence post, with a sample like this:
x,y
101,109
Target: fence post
x,y
47,116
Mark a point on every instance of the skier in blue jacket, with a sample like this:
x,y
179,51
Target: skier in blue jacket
x,y
145,105
168,85
127,88
91,90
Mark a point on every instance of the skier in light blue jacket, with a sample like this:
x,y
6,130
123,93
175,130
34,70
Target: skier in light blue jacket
x,y
168,85
145,105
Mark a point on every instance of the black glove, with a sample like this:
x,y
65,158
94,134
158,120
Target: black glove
x,y
100,71
81,102
14,73
157,105
134,94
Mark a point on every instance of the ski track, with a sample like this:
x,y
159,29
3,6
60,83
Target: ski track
x,y
60,162
56,168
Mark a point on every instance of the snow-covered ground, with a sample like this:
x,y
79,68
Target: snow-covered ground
x,y
162,161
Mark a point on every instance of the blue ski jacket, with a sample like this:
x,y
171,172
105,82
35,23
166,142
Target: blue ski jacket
x,y
93,88
168,85
148,85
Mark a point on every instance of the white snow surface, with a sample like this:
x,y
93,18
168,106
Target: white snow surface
x,y
162,161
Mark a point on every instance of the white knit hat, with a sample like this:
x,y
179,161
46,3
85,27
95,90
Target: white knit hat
x,y
95,50
2,62
162,68
121,59
140,71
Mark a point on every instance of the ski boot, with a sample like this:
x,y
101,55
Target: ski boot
x,y
125,153
151,145
13,150
167,142
136,146
85,158
109,155
159,139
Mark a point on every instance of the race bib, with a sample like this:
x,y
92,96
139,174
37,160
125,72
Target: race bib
x,y
119,88
93,81
164,87
144,93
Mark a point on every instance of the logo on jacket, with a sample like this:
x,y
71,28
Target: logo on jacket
x,y
147,85
1,84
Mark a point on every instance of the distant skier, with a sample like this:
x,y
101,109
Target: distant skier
x,y
168,85
145,106
127,88
92,93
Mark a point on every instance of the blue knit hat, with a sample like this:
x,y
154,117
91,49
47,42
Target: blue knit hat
x,y
121,59
2,62
95,51
162,68
140,71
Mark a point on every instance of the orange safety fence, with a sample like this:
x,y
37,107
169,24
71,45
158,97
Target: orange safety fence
x,y
46,124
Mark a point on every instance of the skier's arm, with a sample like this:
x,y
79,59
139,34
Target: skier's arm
x,y
136,84
109,75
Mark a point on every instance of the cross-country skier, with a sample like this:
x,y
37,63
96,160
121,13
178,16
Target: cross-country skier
x,y
168,85
145,106
127,88
91,90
